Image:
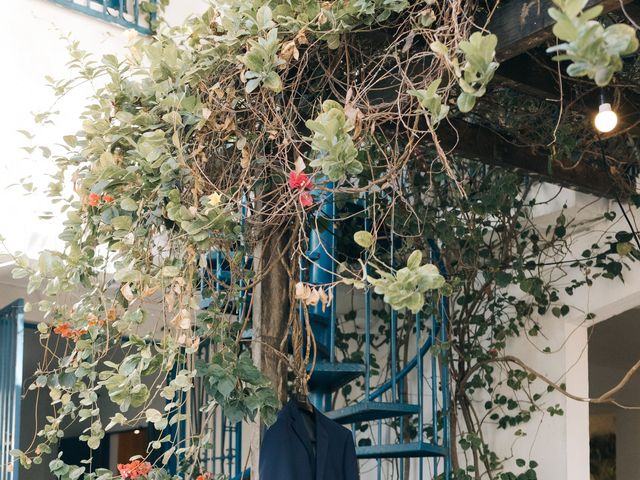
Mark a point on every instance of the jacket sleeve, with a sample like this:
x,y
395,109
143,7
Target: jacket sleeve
x,y
272,464
350,466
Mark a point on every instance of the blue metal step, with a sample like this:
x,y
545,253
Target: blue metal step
x,y
331,376
401,450
321,328
369,410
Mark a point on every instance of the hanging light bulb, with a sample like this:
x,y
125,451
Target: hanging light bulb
x,y
606,119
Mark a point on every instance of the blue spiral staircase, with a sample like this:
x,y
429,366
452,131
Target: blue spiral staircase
x,y
379,406
383,402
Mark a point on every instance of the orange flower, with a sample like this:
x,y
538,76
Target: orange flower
x,y
93,320
65,330
204,476
112,314
134,469
94,199
107,198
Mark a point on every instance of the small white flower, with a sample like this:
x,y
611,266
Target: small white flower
x,y
215,199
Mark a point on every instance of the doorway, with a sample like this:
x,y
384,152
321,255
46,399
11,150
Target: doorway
x,y
614,429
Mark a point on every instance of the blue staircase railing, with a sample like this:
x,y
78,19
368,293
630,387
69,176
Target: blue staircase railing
x,y
135,14
223,452
328,375
385,402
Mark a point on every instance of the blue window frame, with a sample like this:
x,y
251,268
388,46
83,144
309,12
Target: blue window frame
x,y
136,14
11,345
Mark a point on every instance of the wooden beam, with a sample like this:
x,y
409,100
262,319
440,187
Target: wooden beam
x,y
538,77
478,143
523,24
632,12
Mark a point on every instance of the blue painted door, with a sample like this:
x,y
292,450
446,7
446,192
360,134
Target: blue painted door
x,y
11,346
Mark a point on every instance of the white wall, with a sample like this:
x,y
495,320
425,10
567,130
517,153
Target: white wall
x,y
561,444
32,47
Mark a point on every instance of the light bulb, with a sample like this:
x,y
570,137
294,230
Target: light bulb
x,y
136,432
606,119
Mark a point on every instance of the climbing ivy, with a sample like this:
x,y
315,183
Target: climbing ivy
x,y
504,272
198,140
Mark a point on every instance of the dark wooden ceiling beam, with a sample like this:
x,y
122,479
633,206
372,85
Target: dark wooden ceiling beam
x,y
539,77
524,24
632,12
478,143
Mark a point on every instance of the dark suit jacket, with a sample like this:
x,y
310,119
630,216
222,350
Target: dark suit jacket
x,y
286,452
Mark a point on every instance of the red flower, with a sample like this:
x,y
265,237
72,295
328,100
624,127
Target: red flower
x,y
299,181
204,476
107,198
94,199
306,200
134,469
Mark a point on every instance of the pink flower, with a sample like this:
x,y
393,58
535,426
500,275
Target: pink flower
x,y
299,181
306,200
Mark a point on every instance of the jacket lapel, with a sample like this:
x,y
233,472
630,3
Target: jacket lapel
x,y
322,445
297,424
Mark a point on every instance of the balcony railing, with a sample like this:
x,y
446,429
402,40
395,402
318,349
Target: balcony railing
x,y
136,14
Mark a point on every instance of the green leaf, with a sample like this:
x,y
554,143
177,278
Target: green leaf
x,y
439,48
70,140
226,386
624,248
273,82
76,473
170,271
264,18
466,102
414,260
364,239
153,415
122,222
128,204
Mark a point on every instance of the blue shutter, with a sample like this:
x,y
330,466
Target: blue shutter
x,y
11,346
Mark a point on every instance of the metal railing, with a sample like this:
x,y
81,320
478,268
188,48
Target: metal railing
x,y
136,14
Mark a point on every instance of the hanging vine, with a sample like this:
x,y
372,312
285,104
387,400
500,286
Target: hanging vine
x,y
222,134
